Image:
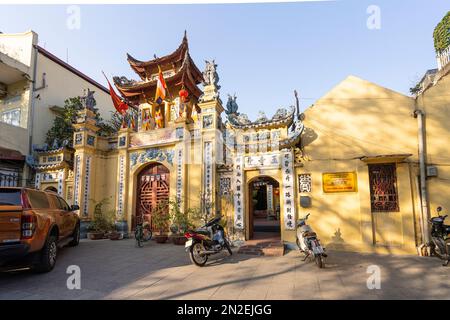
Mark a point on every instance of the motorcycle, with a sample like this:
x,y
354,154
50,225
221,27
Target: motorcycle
x,y
308,243
440,237
207,240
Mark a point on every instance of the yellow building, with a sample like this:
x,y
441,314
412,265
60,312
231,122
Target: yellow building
x,y
34,84
351,159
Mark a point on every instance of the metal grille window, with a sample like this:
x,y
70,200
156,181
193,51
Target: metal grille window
x,y
383,187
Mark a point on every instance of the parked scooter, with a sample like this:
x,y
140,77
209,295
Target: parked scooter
x,y
440,237
308,243
205,241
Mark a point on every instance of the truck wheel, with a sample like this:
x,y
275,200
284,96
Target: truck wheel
x,y
47,259
75,236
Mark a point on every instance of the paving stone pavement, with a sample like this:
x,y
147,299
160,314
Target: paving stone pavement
x,y
119,270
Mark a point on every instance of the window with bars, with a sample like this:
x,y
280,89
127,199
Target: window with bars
x,y
383,187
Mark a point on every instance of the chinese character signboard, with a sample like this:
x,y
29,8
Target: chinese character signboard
x,y
263,160
208,173
288,190
238,176
179,188
304,183
339,182
270,197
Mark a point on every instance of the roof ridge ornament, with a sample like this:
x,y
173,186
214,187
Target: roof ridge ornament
x,y
210,82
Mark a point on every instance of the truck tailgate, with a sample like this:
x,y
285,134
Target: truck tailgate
x,y
10,228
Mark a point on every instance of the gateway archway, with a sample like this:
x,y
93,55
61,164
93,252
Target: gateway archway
x,y
264,208
153,189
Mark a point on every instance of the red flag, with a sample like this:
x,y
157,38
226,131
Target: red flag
x,y
119,104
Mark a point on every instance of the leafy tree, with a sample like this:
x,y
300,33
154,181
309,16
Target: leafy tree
x,y
441,34
62,125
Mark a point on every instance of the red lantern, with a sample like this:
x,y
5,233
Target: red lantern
x,y
183,94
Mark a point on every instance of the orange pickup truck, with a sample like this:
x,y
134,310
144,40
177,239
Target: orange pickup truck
x,y
33,226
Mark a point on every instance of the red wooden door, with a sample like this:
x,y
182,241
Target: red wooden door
x,y
153,189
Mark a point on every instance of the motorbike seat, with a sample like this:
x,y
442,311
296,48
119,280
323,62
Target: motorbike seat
x,y
309,234
201,231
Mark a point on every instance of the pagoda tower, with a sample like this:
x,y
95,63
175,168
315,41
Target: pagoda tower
x,y
179,72
181,132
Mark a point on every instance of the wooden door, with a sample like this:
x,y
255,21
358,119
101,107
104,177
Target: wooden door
x,y
153,189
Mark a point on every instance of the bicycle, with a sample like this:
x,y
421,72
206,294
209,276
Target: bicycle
x,y
142,233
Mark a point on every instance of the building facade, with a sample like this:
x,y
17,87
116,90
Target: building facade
x,y
34,84
368,163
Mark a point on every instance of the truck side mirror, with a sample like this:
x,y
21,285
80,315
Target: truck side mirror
x,y
74,207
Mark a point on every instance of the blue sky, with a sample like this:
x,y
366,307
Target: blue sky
x,y
264,51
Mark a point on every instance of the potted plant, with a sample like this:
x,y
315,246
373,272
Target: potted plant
x,y
180,223
160,219
101,222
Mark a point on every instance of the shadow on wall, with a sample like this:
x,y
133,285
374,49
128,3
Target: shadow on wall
x,y
308,136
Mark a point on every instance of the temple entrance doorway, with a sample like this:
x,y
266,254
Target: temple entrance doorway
x,y
264,204
152,190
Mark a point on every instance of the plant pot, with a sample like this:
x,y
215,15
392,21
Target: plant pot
x,y
161,238
122,227
179,239
96,235
115,236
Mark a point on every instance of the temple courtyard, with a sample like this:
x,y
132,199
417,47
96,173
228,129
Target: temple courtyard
x,y
119,270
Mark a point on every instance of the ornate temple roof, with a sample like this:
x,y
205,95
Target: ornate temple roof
x,y
146,68
237,120
178,67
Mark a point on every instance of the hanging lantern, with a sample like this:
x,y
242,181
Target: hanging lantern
x,y
183,94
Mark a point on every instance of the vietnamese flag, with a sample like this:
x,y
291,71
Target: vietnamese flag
x,y
118,103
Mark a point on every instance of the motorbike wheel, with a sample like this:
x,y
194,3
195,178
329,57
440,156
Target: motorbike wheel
x,y
195,254
227,245
319,261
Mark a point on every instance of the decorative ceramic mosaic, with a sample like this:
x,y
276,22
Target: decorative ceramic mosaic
x,y
208,165
207,122
152,154
269,197
288,190
90,140
179,177
60,182
37,181
121,185
87,186
78,138
225,186
179,133
238,175
122,141
76,185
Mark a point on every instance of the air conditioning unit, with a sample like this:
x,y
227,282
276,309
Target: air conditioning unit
x,y
432,171
3,90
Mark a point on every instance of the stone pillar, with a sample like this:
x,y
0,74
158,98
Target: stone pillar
x,y
212,142
123,181
85,144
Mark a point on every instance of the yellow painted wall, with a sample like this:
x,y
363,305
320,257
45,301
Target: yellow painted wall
x,y
435,102
355,119
54,94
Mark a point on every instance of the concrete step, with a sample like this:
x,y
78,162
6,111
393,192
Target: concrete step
x,y
263,248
